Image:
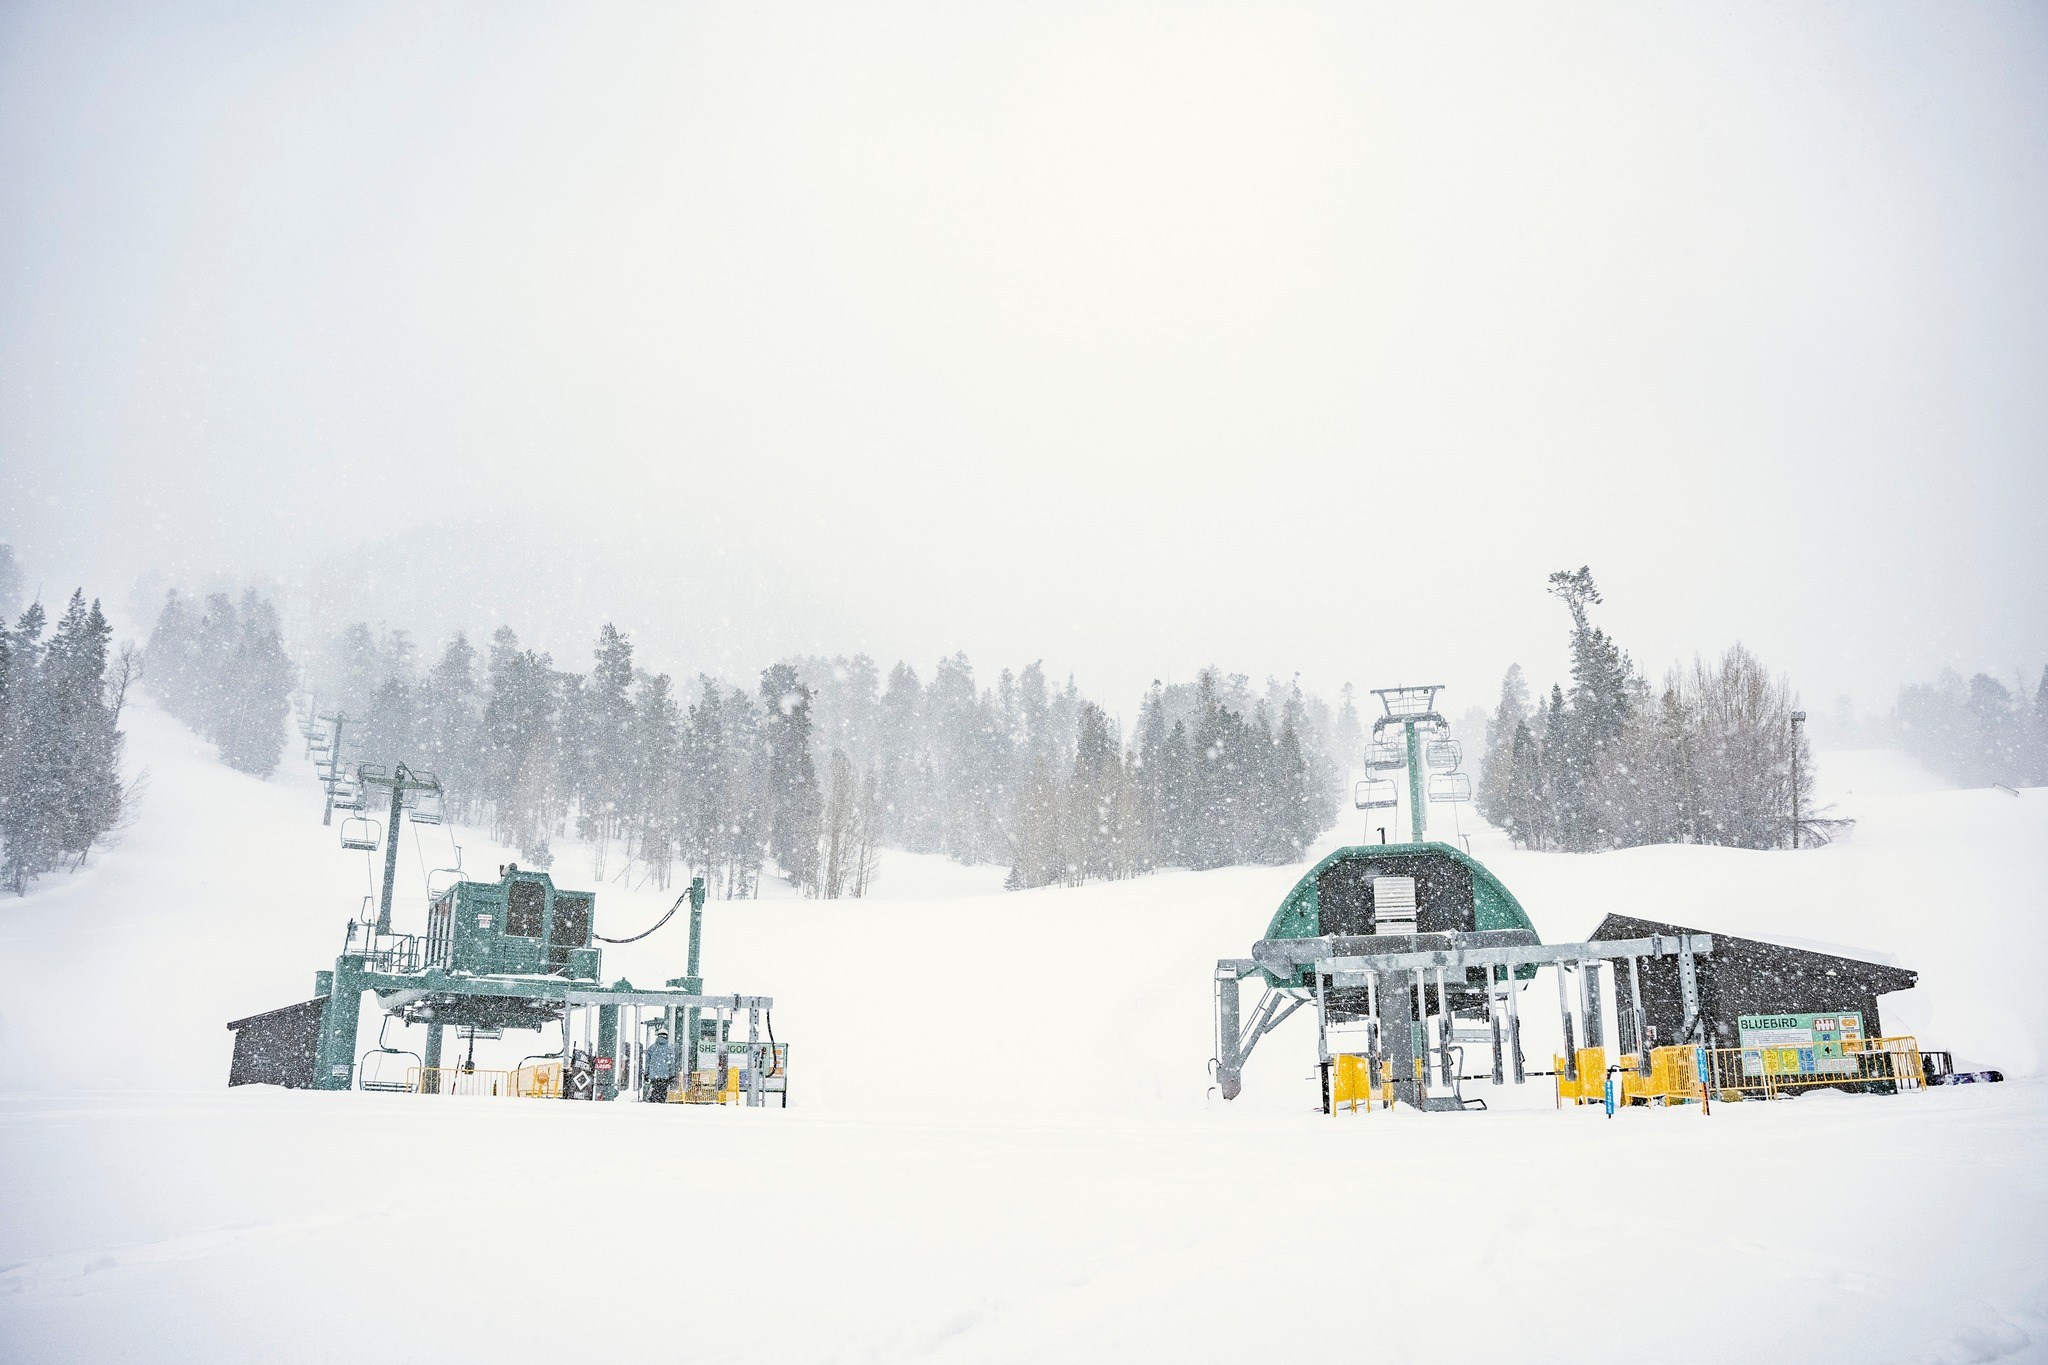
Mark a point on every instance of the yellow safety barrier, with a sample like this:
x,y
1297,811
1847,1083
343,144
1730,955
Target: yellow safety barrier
x,y
1591,1086
701,1088
538,1081
453,1080
1749,1073
1744,1073
1351,1082
1674,1077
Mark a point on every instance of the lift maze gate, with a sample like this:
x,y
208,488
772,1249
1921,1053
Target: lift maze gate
x,y
1414,958
518,953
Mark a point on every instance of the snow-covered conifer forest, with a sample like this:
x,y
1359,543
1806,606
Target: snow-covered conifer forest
x,y
811,770
62,690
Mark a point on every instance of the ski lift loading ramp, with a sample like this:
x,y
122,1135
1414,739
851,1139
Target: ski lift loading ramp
x,y
1370,932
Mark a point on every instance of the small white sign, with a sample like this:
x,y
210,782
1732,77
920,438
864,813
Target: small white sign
x,y
483,921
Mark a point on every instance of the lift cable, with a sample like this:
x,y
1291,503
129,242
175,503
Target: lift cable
x,y
420,855
657,924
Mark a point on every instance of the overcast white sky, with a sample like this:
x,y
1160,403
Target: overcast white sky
x,y
1297,337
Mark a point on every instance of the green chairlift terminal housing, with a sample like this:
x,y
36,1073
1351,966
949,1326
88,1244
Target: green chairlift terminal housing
x,y
515,953
1373,931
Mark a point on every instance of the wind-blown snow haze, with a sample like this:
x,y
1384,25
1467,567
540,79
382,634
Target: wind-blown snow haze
x,y
1131,337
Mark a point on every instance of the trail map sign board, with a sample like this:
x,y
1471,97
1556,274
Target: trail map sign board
x,y
1800,1044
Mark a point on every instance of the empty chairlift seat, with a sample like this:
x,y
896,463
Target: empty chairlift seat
x,y
424,806
1450,787
1387,752
1445,755
361,834
1375,793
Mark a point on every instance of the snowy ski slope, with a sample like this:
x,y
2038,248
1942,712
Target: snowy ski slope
x,y
1001,1145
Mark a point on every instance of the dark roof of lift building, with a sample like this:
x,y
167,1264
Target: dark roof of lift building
x,y
1753,976
1857,974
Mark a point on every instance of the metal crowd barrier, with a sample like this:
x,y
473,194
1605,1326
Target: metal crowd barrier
x,y
538,1081
1743,1073
453,1080
1736,1073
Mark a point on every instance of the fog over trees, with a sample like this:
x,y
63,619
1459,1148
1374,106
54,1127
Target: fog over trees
x,y
810,769
221,667
1976,733
827,760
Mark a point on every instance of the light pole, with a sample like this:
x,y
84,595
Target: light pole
x,y
1798,719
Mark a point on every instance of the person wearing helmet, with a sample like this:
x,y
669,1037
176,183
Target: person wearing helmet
x,y
661,1068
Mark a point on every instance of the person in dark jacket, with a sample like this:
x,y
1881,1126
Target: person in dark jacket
x,y
661,1068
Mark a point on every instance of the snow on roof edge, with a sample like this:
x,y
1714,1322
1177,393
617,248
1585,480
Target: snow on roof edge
x,y
1873,956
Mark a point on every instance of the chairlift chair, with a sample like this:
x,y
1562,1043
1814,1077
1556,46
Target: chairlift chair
x,y
379,1076
360,834
1386,752
348,798
1375,793
1450,787
1444,755
424,806
440,881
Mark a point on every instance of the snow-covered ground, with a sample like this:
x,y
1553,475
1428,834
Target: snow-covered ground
x,y
1001,1144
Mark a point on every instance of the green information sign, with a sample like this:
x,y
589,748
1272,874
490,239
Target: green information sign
x,y
1800,1044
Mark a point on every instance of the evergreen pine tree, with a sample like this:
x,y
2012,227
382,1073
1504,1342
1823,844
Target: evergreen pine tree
x,y
1148,782
1562,785
653,801
1603,689
88,797
1037,858
60,745
1180,798
603,747
1297,820
1496,768
1098,842
448,727
27,760
1524,806
1997,735
903,764
748,797
2037,767
794,799
253,692
389,732
1348,738
520,746
170,662
10,585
